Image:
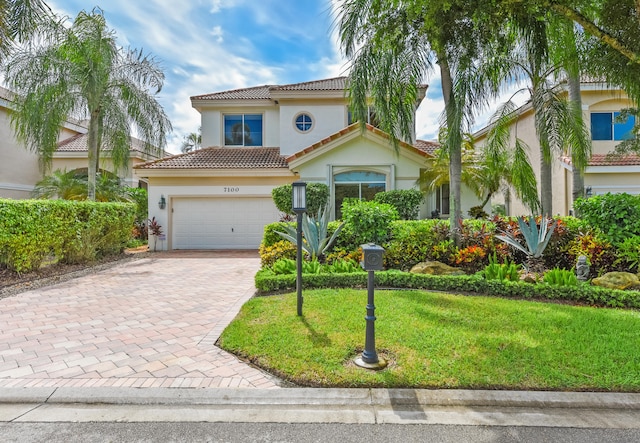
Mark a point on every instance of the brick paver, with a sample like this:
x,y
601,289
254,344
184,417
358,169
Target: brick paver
x,y
152,322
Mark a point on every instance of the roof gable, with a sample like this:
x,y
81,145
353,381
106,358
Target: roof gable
x,y
348,133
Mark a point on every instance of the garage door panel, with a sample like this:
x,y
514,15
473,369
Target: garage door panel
x,y
221,223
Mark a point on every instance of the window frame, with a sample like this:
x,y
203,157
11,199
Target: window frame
x,y
311,122
609,129
243,123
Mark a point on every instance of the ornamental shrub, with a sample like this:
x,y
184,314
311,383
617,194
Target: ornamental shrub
x,y
367,221
282,249
72,231
616,215
406,201
317,198
412,241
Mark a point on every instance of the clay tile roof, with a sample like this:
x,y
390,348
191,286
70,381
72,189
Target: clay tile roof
x,y
222,158
256,92
78,143
354,127
606,160
427,146
329,84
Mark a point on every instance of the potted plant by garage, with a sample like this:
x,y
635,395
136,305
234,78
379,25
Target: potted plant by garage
x,y
155,230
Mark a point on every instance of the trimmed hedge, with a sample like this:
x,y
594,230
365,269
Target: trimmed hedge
x,y
34,230
591,295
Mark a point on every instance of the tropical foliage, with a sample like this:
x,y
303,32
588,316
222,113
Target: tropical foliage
x,y
80,72
536,240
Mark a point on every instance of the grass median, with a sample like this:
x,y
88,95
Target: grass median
x,y
436,340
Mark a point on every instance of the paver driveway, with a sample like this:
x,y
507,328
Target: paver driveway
x,y
152,322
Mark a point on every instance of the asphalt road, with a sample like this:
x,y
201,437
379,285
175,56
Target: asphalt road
x,y
308,433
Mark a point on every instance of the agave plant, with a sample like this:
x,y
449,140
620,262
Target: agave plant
x,y
315,242
536,240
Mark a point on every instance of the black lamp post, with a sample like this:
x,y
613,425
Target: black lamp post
x,y
372,255
299,206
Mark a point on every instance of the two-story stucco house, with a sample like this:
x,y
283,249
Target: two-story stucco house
x,y
259,138
601,104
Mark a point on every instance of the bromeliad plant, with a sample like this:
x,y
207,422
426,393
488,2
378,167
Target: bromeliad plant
x,y
315,242
536,240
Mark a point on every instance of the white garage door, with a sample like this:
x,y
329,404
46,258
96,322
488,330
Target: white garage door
x,y
221,223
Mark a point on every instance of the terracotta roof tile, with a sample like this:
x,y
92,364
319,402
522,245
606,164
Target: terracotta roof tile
x,y
347,130
78,143
329,84
222,158
256,92
427,146
606,160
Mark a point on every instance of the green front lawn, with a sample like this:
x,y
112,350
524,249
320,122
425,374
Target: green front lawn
x,y
436,340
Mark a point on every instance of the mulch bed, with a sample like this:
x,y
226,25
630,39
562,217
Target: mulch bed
x,y
12,283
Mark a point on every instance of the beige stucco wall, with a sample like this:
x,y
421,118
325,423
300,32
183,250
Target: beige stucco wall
x,y
595,98
328,117
19,169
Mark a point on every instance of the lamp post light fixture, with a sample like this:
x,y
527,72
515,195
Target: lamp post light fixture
x,y
371,261
299,206
162,203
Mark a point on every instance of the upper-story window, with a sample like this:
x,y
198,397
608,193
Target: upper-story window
x,y
243,130
303,122
604,126
371,117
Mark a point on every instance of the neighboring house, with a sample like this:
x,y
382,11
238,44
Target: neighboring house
x,y
20,168
601,104
256,139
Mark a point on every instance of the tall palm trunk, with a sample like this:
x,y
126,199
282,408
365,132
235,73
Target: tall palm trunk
x,y
454,145
575,101
93,144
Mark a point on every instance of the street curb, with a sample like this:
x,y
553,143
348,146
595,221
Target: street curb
x,y
376,397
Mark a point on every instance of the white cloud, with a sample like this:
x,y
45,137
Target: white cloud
x,y
217,33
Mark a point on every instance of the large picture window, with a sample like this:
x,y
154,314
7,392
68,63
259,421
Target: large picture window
x,y
243,130
604,126
363,185
372,119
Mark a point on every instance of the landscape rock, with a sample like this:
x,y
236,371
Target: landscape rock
x,y
435,268
617,280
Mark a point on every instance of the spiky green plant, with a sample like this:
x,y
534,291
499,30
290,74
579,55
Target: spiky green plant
x,y
316,241
536,240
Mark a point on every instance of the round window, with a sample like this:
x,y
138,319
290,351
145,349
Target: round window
x,y
303,122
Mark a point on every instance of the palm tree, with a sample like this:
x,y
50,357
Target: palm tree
x,y
18,19
192,142
559,125
393,45
72,185
80,72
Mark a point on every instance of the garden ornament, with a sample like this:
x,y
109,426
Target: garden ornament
x,y
582,268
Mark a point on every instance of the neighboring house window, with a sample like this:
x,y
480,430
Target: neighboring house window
x,y
303,122
604,126
371,117
442,199
363,185
243,130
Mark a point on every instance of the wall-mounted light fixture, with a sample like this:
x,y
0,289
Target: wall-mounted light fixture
x,y
162,203
589,191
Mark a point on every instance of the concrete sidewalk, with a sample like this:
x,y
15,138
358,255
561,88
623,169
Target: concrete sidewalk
x,y
307,405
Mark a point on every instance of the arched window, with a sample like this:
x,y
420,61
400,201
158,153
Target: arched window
x,y
363,185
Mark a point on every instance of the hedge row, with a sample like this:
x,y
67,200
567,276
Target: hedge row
x,y
32,231
584,293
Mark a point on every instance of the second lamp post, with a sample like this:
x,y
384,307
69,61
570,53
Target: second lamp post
x,y
299,206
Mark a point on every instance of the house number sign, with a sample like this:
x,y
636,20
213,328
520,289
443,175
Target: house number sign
x,y
228,189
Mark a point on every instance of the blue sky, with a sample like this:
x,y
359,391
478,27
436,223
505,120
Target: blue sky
x,y
213,45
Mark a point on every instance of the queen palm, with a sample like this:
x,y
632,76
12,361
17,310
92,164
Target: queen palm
x,y
393,45
18,18
80,72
